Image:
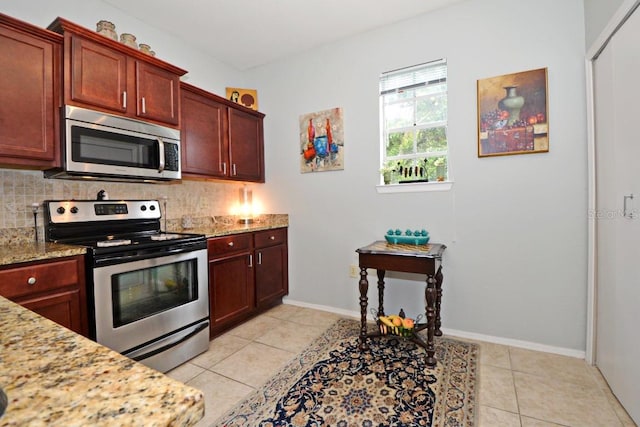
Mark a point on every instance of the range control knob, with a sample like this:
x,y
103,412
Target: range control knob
x,y
74,210
60,210
152,207
143,208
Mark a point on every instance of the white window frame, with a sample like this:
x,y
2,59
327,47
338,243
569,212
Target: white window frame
x,y
418,186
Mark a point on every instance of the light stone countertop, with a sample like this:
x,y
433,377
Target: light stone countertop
x,y
225,226
53,376
31,251
18,248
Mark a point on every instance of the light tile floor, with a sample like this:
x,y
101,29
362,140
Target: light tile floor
x,y
517,387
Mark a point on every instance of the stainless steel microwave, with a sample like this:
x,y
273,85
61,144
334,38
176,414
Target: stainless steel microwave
x,y
103,146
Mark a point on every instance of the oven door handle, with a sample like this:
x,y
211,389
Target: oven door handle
x,y
130,258
170,345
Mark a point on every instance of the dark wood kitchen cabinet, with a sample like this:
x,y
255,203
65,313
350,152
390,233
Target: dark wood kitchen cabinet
x,y
203,132
29,84
246,145
248,273
220,139
54,289
103,74
272,279
231,281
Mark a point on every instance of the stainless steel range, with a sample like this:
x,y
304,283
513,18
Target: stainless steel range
x,y
147,289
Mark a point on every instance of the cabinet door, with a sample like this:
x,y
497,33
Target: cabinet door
x,y
63,308
231,295
203,134
271,274
246,146
158,94
98,76
29,107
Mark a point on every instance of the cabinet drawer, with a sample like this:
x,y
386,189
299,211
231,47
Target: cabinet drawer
x,y
15,282
229,244
270,237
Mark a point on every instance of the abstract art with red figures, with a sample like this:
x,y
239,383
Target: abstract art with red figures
x,y
322,141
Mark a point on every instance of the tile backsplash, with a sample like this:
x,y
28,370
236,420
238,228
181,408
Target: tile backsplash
x,y
20,189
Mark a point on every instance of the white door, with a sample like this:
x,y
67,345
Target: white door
x,y
617,141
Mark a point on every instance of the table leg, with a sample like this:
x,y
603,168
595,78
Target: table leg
x,y
438,332
381,292
430,296
363,285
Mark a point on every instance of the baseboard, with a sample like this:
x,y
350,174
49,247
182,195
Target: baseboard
x,y
580,354
346,313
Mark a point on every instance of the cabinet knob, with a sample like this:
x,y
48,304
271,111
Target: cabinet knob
x,y
31,280
272,237
230,244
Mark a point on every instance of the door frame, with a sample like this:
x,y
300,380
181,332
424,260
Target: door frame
x,y
624,11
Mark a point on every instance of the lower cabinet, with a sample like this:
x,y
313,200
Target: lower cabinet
x,y
53,289
248,273
272,281
231,280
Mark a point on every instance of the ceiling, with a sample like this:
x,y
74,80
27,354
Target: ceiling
x,y
249,33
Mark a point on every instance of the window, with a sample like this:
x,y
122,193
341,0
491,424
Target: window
x,y
413,113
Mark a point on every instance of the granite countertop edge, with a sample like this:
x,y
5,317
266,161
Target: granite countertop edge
x,y
52,375
36,251
28,251
227,228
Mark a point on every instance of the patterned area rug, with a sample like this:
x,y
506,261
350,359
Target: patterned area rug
x,y
333,383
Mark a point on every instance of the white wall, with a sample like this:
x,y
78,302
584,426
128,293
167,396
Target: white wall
x,y
515,226
203,71
597,14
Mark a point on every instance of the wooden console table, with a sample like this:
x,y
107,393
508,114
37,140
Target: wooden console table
x,y
421,259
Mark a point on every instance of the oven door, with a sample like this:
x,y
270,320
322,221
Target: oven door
x,y
142,302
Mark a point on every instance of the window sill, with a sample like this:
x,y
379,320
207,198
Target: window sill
x,y
418,187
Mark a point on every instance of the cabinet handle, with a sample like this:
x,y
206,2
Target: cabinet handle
x,y
31,280
259,258
124,99
250,261
144,106
230,244
224,168
234,170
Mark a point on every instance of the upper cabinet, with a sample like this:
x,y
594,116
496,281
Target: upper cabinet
x,y
220,139
29,84
44,70
203,131
246,145
103,74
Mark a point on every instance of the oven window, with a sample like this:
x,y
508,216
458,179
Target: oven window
x,y
143,293
111,148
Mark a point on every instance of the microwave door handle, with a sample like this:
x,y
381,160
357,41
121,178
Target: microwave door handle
x,y
161,152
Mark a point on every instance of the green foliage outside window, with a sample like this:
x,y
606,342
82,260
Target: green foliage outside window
x,y
414,119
